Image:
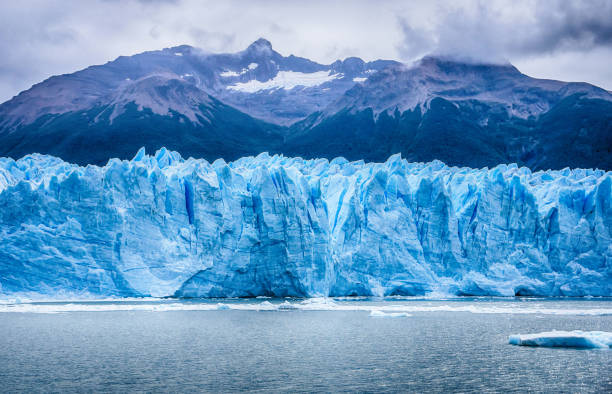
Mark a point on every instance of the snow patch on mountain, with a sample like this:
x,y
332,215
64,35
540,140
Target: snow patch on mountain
x,y
230,73
286,80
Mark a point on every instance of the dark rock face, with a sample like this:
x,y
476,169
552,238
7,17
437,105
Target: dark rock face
x,y
576,132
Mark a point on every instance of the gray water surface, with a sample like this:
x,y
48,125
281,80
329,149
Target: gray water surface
x,y
298,350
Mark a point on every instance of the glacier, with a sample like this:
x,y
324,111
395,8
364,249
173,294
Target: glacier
x,y
163,225
575,339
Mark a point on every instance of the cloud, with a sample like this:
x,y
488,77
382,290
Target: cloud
x,y
572,25
501,30
416,43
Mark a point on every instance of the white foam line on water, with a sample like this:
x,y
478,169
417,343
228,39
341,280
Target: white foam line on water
x,y
306,305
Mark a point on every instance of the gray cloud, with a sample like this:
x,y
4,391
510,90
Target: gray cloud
x,y
416,42
210,39
496,31
547,38
575,25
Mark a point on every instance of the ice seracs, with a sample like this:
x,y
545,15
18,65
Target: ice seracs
x,y
163,225
575,339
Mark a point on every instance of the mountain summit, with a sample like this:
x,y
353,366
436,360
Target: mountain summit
x,y
261,45
229,105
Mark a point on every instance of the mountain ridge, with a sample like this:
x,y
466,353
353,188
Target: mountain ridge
x,y
473,114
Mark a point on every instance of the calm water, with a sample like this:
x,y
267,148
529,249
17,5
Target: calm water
x,y
187,348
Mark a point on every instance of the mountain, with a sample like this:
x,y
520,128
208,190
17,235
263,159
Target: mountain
x,y
276,226
236,104
463,114
205,128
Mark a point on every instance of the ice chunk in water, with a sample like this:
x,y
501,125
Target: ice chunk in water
x,y
576,339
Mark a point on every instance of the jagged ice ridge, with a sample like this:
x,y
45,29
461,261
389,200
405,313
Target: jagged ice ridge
x,y
277,226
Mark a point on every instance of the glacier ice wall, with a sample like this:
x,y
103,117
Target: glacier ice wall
x,y
162,226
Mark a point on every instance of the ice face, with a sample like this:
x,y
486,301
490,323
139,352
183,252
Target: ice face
x,y
276,226
578,339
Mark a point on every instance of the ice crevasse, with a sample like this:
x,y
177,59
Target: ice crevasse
x,y
277,226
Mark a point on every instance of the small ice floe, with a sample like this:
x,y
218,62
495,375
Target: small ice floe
x,y
222,307
318,304
266,306
575,339
376,313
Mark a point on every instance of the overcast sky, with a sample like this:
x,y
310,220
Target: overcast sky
x,y
565,39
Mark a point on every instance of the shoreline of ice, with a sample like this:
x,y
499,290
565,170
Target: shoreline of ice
x,y
377,308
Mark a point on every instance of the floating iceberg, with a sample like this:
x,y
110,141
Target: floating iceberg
x,y
276,226
577,339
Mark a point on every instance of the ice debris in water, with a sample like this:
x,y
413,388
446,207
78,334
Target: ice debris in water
x,y
278,226
287,306
576,339
378,313
381,309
